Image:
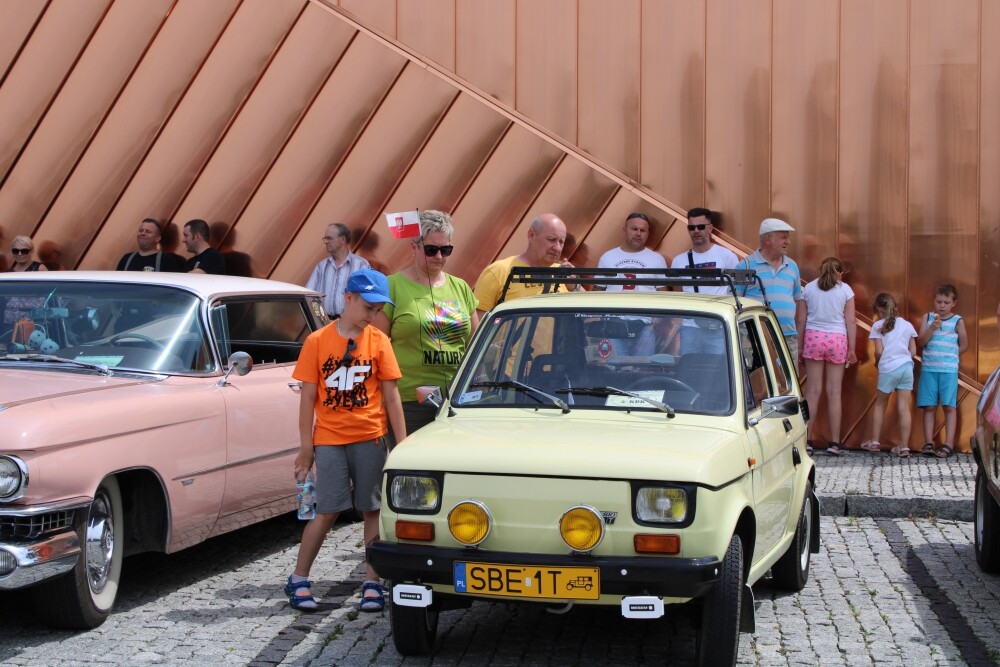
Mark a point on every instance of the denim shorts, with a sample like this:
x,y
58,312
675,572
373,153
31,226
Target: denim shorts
x,y
937,389
339,465
898,379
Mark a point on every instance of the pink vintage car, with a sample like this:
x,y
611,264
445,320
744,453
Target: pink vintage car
x,y
130,421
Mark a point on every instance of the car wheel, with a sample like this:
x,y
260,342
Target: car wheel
x,y
719,638
414,629
987,528
791,572
83,598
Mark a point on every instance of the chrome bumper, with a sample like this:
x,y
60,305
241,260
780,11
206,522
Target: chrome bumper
x,y
36,561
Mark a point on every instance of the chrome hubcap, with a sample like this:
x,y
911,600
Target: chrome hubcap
x,y
806,533
100,547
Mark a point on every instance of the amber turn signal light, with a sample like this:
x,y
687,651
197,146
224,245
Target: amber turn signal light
x,y
657,544
413,530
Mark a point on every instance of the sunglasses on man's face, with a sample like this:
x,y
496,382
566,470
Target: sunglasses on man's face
x,y
691,228
348,358
431,250
20,251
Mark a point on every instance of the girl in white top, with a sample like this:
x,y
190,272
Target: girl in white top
x,y
895,344
827,330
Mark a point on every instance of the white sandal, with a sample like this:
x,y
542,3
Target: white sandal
x,y
871,446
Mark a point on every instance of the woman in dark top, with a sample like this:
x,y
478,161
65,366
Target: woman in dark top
x,y
23,250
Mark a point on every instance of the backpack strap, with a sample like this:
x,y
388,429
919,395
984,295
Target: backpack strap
x,y
691,265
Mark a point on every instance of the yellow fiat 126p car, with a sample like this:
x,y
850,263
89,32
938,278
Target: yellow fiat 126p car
x,y
632,449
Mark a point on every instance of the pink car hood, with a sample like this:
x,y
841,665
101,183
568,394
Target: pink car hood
x,y
18,387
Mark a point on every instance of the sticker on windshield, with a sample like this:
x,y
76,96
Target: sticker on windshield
x,y
632,402
103,359
470,397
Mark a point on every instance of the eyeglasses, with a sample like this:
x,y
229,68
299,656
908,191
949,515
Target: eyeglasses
x,y
431,250
348,358
691,228
25,251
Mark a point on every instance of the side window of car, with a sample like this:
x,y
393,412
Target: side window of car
x,y
757,385
779,360
271,332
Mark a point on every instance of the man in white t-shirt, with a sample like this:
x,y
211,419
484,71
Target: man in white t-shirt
x,y
704,254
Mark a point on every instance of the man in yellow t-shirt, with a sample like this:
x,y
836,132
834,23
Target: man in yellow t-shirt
x,y
546,237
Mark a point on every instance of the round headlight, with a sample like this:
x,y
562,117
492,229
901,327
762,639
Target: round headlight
x,y
469,522
581,528
13,478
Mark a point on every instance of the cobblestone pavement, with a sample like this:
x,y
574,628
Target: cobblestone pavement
x,y
881,591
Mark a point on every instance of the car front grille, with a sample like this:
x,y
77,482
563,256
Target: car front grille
x,y
30,527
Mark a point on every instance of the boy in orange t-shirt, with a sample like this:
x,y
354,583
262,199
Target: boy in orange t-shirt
x,y
347,369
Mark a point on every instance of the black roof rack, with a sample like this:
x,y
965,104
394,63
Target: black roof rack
x,y
551,277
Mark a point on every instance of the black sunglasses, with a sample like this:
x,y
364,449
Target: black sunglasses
x,y
348,358
691,228
431,250
25,251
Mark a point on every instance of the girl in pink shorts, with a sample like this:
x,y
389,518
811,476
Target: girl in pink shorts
x,y
827,329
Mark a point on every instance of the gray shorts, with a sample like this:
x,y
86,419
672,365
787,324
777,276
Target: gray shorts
x,y
339,465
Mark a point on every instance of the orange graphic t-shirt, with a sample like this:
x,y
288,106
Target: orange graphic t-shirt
x,y
348,397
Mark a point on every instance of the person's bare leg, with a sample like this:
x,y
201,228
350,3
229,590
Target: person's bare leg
x,y
371,534
312,539
814,389
903,407
834,382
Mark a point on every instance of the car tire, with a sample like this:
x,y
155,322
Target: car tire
x,y
414,629
719,637
82,598
987,527
791,572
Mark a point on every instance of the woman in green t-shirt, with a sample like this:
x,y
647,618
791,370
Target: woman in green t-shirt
x,y
433,317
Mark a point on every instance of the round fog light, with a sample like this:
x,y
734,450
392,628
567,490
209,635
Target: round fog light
x,y
469,522
581,528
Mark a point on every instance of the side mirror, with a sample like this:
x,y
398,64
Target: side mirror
x,y
778,406
240,363
428,394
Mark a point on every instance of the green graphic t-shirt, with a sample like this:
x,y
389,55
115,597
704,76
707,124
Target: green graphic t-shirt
x,y
429,328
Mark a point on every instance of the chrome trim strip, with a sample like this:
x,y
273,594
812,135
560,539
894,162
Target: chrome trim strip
x,y
77,503
237,464
41,560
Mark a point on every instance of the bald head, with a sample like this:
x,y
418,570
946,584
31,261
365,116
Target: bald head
x,y
546,237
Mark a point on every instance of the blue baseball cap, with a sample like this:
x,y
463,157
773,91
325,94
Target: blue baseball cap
x,y
372,285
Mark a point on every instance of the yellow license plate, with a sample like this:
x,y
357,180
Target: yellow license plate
x,y
528,581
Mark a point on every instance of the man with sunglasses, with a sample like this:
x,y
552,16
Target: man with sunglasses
x,y
330,275
347,369
704,254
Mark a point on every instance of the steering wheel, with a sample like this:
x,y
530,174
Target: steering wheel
x,y
137,336
660,382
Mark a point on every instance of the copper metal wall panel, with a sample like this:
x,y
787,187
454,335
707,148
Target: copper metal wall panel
x,y
873,138
989,192
19,17
312,156
276,105
944,151
672,129
546,66
500,197
432,39
39,72
484,46
187,141
608,81
804,108
738,114
106,169
377,14
380,159
446,167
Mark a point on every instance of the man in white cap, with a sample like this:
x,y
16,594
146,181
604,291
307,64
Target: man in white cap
x,y
781,278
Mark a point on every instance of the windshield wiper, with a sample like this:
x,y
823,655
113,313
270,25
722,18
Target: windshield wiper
x,y
609,391
100,368
526,388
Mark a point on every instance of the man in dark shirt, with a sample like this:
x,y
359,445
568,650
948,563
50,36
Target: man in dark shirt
x,y
148,257
206,258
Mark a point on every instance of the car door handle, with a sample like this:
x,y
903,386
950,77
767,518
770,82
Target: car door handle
x,y
787,424
295,386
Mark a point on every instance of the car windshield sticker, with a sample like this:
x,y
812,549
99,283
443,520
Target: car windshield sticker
x,y
470,397
631,402
104,359
604,348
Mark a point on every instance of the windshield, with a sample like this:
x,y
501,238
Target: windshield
x,y
622,360
136,327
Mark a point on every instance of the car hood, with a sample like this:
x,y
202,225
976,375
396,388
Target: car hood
x,y
550,444
24,386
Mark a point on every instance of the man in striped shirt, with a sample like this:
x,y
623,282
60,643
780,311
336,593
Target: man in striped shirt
x,y
781,278
330,276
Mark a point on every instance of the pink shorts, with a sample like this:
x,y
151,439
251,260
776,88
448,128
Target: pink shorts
x,y
824,346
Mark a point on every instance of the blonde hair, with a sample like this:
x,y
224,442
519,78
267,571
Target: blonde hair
x,y
887,304
26,240
828,270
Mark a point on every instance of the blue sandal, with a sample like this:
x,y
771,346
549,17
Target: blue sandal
x,y
299,601
375,601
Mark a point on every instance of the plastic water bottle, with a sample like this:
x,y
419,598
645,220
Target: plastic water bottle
x,y
307,497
